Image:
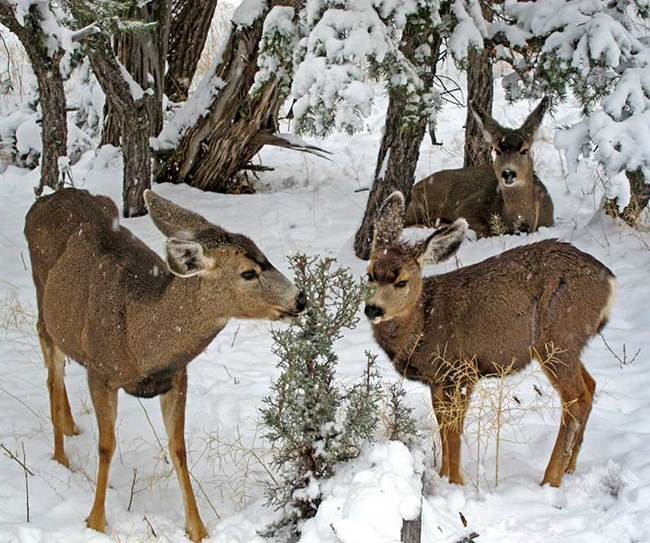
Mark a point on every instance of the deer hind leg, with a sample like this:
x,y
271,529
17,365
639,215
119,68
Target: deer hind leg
x,y
575,387
172,404
450,412
590,386
60,412
105,403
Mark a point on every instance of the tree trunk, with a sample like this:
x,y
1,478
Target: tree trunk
x,y
639,198
133,116
190,24
481,92
411,530
400,145
224,141
143,53
54,126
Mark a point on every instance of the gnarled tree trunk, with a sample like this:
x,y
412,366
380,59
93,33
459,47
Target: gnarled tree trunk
x,y
190,24
400,145
224,141
134,116
143,53
479,91
54,126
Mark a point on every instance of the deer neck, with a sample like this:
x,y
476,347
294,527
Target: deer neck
x,y
400,339
520,205
179,323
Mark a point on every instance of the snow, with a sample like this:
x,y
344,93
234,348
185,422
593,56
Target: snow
x,y
313,205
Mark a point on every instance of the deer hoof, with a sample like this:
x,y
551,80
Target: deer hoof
x,y
196,533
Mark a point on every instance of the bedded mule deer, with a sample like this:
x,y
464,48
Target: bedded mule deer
x,y
508,191
135,321
544,301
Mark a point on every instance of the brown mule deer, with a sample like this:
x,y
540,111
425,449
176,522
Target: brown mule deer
x,y
508,191
108,301
544,301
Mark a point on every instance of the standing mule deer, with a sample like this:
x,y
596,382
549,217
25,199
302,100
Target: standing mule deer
x,y
508,191
545,301
108,301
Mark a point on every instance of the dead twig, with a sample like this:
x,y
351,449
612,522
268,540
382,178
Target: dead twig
x,y
622,361
153,532
135,474
14,457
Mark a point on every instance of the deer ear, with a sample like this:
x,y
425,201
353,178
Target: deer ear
x,y
185,258
532,122
492,130
390,221
442,244
173,220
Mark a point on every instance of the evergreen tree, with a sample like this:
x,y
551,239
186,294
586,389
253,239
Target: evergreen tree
x,y
313,422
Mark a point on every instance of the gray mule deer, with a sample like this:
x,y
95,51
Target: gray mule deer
x,y
134,321
545,301
507,191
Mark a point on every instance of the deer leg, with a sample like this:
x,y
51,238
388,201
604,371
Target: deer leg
x,y
568,379
172,404
590,386
450,412
105,402
59,404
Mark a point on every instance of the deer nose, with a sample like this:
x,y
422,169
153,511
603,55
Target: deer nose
x,y
509,176
373,312
301,302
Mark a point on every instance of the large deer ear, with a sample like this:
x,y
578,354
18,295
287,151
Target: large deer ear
x,y
492,130
390,221
442,244
173,220
532,122
185,258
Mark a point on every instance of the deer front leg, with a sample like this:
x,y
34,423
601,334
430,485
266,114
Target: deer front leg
x,y
105,402
450,414
172,404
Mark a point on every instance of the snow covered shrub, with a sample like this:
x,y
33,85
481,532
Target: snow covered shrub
x,y
311,421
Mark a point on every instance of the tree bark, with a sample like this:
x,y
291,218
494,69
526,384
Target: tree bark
x,y
190,24
481,92
143,54
54,126
224,141
135,125
639,198
400,146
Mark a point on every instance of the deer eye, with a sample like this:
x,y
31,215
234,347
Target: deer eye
x,y
523,152
249,275
401,284
370,277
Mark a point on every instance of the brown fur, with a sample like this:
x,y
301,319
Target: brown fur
x,y
479,193
530,302
108,301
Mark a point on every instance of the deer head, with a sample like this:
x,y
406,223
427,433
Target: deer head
x,y
513,163
395,269
231,262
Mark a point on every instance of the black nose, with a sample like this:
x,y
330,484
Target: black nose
x,y
372,311
509,176
301,302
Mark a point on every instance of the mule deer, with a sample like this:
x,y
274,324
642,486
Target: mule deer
x,y
544,301
108,301
508,191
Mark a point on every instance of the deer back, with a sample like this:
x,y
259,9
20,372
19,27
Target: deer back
x,y
508,189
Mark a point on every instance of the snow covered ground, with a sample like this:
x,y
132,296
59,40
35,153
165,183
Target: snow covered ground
x,y
312,205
